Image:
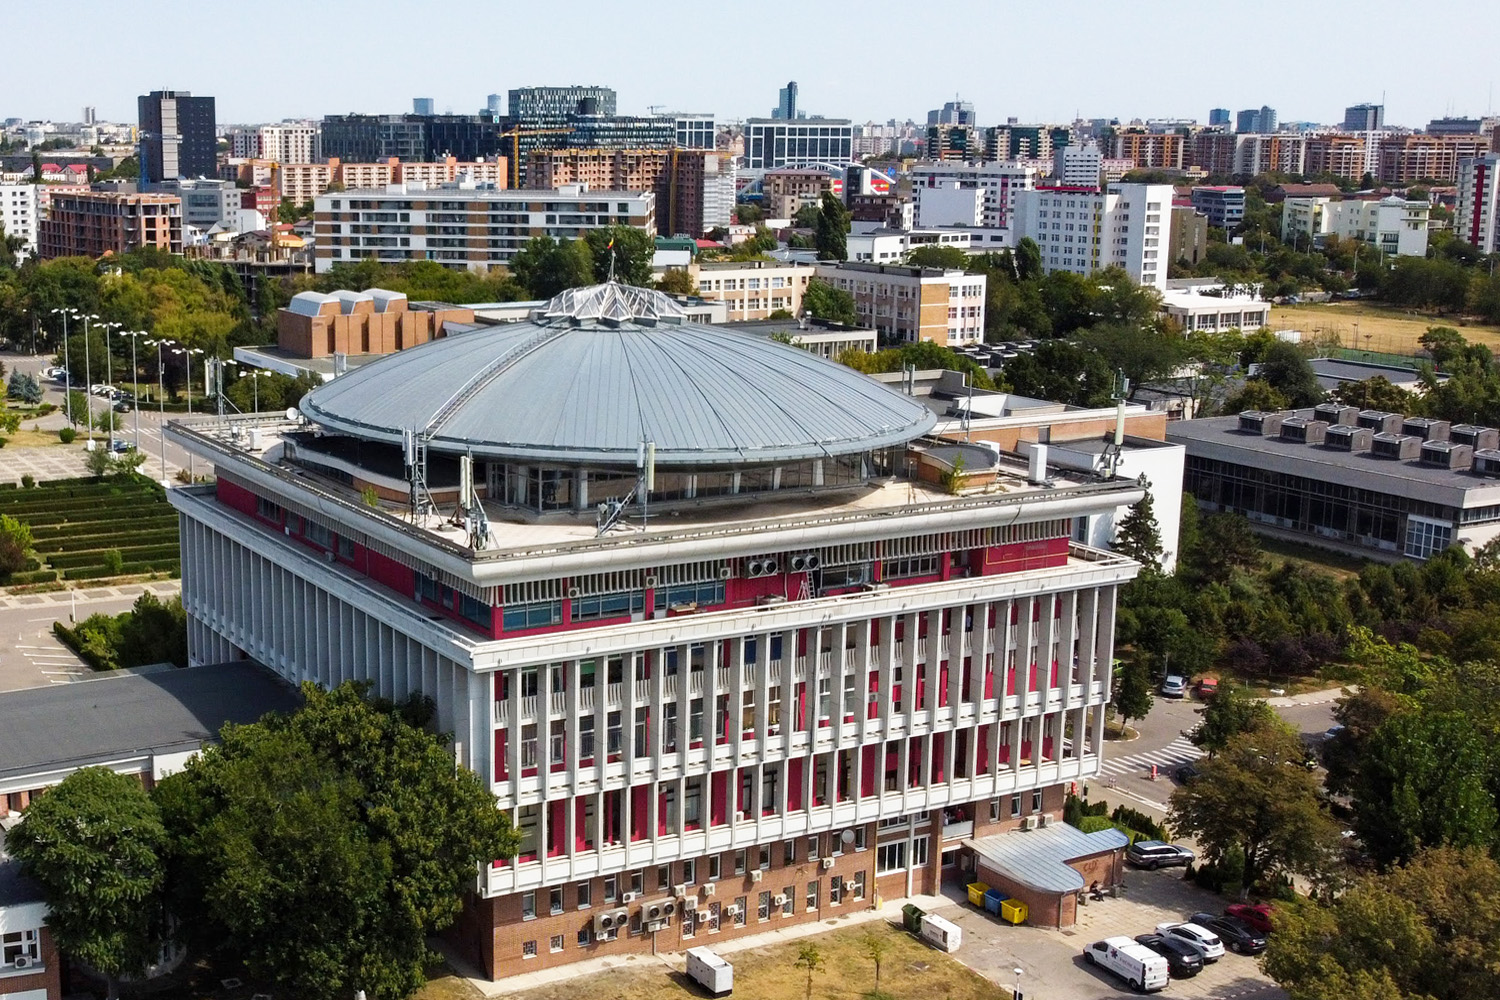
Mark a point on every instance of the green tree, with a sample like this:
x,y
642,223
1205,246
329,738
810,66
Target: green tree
x,y
1426,930
949,258
153,631
321,849
876,948
1287,370
807,216
810,959
1228,545
1443,344
1138,535
677,281
627,248
95,844
822,300
1425,780
1256,796
1028,260
547,267
1063,372
747,213
1230,714
1133,698
1374,394
832,233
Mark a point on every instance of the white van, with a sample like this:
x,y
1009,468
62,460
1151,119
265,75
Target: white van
x,y
1142,968
710,971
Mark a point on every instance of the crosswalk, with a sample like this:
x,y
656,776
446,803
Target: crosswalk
x,y
1167,759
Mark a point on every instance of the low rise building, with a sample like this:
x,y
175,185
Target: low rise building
x,y
1357,480
1085,230
374,321
913,304
1224,205
464,225
1194,311
881,245
205,203
1305,217
754,289
1394,225
95,223
822,337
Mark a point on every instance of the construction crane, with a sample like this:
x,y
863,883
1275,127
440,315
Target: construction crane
x,y
514,135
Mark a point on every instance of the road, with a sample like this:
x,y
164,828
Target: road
x,y
141,428
31,656
1163,742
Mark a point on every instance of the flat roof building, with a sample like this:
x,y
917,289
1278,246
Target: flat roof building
x,y
913,304
95,223
799,679
1362,481
753,289
771,142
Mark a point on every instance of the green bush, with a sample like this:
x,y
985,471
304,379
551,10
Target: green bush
x,y
113,561
150,632
1129,819
33,576
28,481
1093,824
67,435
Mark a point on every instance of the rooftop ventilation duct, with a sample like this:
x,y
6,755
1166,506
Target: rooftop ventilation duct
x,y
1262,422
1304,430
1397,446
1336,413
1380,421
1347,438
1447,455
1487,462
1474,436
1425,428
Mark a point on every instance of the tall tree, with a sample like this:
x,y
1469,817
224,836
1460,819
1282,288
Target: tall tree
x,y
1133,698
824,301
832,234
95,845
1255,796
629,248
1425,781
1286,369
547,266
321,849
1231,714
1139,536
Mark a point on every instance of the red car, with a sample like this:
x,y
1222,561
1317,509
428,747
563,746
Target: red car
x,y
1257,915
1207,687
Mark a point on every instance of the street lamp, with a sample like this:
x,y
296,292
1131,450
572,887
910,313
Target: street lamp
x,y
254,377
67,368
187,364
135,381
109,379
1017,994
161,405
88,376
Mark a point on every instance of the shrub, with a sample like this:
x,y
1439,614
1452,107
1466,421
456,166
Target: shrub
x,y
1133,819
67,435
28,481
113,561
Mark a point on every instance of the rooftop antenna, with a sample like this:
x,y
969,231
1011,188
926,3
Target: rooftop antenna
x,y
1113,450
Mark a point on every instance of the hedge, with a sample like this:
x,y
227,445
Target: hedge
x,y
70,639
114,540
171,566
32,576
92,557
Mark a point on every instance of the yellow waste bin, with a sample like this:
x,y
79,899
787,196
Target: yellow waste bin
x,y
1013,910
976,893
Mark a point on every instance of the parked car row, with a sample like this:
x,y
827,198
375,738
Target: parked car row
x,y
1177,686
1180,949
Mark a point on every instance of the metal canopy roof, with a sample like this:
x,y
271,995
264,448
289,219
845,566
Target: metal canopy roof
x,y
1039,858
600,370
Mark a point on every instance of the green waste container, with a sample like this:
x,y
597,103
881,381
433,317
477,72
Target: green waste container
x,y
911,918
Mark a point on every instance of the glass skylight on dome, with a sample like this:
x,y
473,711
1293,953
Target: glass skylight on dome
x,y
613,302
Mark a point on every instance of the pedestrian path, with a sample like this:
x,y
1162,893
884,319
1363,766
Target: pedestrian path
x,y
1168,758
68,598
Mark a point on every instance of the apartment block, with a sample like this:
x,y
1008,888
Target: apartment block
x,y
1393,225
1476,219
913,304
1149,150
1346,155
1212,152
788,190
1407,159
95,223
753,290
18,214
289,142
1000,183
464,225
305,181
689,185
1224,205
178,136
1307,217
1277,152
1085,230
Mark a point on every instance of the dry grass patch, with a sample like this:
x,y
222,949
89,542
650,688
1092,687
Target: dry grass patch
x,y
1375,327
909,970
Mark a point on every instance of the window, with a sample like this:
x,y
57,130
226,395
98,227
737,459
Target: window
x,y
617,605
859,885
638,882
890,858
1015,805
740,916
268,510
994,810
812,848
555,902
789,852
555,945
690,871
609,889
789,893
528,949
715,867
812,895
763,912
765,857
585,895
859,838
539,615
19,943
835,890
528,907
919,852
741,859
585,935
1036,800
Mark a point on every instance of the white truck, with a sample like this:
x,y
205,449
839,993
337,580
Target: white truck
x,y
942,934
710,972
1142,968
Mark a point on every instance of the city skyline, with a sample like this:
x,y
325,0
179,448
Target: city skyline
x,y
273,79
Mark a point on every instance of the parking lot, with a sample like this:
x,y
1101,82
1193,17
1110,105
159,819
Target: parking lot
x,y
1052,963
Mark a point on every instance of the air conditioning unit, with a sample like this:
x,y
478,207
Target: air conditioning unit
x,y
725,572
607,936
654,911
610,921
679,890
23,961
689,904
732,910
850,885
806,562
650,580
703,915
574,593
629,897
1048,819
756,875
1029,823
767,566
652,926
827,863
779,899
668,907
708,890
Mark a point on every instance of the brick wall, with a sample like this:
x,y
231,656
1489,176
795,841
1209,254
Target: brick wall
x,y
492,933
48,977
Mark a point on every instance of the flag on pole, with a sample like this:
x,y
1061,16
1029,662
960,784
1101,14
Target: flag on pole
x,y
611,244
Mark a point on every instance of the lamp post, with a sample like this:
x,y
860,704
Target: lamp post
x,y
161,394
1017,994
254,377
67,368
135,381
187,364
109,379
88,377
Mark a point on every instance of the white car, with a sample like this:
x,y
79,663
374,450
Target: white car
x,y
1175,686
1204,940
1142,968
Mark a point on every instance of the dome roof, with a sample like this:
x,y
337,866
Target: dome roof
x,y
598,371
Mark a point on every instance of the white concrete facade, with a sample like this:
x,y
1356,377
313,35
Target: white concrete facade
x,y
948,203
1476,218
1085,231
1397,226
1305,216
1000,183
18,214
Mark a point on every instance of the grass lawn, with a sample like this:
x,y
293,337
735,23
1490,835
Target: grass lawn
x,y
28,438
1339,564
909,970
1378,327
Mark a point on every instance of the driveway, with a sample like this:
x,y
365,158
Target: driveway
x,y
1052,961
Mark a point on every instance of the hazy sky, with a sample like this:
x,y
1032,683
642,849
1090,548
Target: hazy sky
x,y
868,59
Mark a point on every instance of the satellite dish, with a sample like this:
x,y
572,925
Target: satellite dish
x,y
292,414
847,836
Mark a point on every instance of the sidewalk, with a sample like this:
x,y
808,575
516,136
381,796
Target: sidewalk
x,y
85,595
1312,697
677,961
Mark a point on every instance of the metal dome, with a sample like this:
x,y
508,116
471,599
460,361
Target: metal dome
x,y
600,370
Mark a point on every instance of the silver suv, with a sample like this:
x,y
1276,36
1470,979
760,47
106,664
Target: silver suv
x,y
1153,854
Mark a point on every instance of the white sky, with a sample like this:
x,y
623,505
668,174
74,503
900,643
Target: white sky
x,y
867,59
